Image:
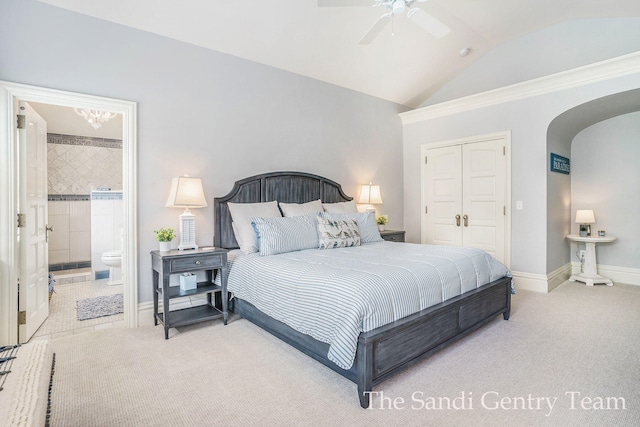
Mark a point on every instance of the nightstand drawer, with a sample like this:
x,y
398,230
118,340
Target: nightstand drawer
x,y
393,235
199,262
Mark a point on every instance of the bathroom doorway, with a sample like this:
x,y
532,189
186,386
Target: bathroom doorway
x,y
84,180
10,96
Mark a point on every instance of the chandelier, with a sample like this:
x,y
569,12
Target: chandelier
x,y
95,117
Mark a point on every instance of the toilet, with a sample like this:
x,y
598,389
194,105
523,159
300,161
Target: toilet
x,y
113,259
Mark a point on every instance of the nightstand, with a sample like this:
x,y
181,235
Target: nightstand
x,y
590,275
164,264
393,235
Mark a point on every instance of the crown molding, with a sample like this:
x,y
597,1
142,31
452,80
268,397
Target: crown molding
x,y
593,73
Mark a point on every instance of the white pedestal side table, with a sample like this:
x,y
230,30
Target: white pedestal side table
x,y
590,275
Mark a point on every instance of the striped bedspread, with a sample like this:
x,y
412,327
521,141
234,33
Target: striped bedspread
x,y
335,294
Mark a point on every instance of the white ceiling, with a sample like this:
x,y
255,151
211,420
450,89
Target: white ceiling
x,y
64,120
297,35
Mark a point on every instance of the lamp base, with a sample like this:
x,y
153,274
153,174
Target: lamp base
x,y
187,231
185,247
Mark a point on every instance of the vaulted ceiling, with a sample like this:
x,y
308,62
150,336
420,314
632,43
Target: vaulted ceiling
x,y
404,64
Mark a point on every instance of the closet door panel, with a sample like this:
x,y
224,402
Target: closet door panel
x,y
484,183
442,186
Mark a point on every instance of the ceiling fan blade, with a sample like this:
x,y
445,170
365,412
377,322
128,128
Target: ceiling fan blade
x,y
339,3
428,22
376,29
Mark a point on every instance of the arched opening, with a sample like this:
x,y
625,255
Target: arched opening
x,y
589,166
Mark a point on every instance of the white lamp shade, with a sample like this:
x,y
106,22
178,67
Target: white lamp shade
x,y
370,195
186,192
585,217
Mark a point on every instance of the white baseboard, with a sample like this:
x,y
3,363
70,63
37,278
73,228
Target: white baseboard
x,y
628,276
530,282
558,276
541,282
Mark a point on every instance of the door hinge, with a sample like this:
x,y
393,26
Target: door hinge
x,y
504,150
504,210
425,160
22,121
22,318
426,210
21,220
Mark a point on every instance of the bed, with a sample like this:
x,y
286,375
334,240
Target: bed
x,y
383,351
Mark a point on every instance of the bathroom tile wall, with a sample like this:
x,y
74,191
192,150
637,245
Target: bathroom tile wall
x,y
70,240
76,166
79,164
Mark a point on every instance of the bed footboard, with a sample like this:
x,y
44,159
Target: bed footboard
x,y
385,351
392,348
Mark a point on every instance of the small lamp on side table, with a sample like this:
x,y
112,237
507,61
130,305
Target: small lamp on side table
x,y
585,218
187,193
370,195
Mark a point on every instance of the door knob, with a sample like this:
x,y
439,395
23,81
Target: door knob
x,y
47,229
458,220
466,220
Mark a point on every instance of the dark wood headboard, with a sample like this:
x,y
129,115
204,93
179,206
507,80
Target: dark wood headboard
x,y
285,187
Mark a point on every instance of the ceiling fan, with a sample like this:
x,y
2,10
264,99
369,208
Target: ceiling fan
x,y
394,7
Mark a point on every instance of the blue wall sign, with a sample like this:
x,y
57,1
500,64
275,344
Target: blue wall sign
x,y
560,164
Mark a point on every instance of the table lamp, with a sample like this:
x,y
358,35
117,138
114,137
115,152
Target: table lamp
x,y
585,218
370,195
187,193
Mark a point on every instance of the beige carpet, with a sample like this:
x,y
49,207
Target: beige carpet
x,y
576,345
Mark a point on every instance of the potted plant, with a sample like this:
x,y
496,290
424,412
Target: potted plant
x,y
164,236
381,221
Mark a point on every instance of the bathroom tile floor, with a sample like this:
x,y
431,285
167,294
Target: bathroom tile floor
x,y
71,286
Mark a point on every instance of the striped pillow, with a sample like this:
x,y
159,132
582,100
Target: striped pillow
x,y
366,224
338,233
285,234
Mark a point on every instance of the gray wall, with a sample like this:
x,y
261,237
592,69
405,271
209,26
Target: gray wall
x,y
205,114
605,176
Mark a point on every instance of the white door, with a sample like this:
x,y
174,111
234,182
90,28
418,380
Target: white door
x,y
33,297
442,188
483,197
465,193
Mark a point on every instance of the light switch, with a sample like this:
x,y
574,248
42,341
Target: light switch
x,y
519,205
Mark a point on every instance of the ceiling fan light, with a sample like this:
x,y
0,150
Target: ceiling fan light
x,y
398,7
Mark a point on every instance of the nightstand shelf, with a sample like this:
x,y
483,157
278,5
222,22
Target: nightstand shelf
x,y
203,287
165,264
188,316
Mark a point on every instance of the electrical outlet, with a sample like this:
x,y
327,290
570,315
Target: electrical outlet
x,y
583,253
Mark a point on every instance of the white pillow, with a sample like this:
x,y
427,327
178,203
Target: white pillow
x,y
241,214
280,235
341,207
296,209
337,233
366,224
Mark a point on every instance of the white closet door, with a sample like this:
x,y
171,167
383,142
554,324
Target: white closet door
x,y
464,190
483,196
442,186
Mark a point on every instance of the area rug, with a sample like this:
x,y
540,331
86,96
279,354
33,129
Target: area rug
x,y
108,305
